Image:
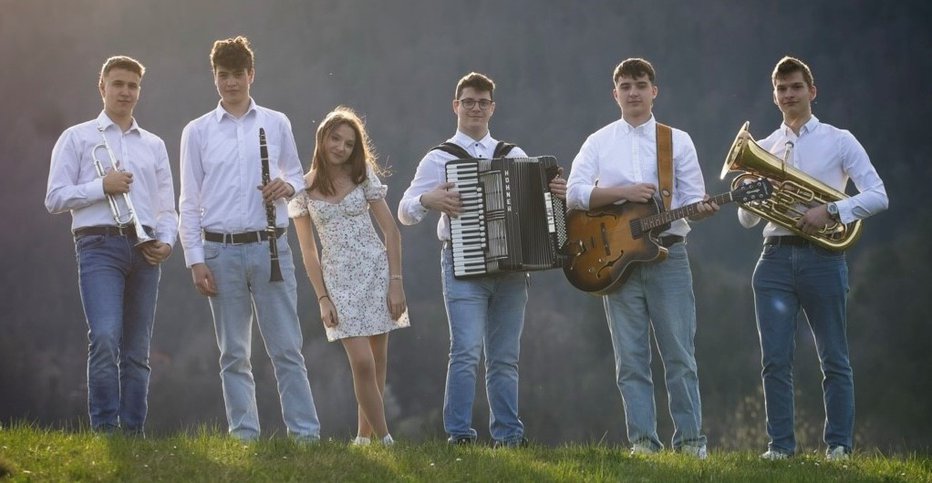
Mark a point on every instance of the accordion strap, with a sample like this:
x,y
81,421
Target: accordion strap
x,y
501,150
665,164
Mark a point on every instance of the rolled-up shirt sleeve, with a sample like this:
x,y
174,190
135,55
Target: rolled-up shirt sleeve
x,y
584,174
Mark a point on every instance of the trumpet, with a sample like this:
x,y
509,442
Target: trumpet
x,y
122,217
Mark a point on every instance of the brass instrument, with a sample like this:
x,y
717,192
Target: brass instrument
x,y
122,217
794,193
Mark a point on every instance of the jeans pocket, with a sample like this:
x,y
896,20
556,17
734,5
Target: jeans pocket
x,y
89,242
211,252
828,254
769,251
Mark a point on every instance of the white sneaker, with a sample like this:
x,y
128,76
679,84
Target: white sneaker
x,y
699,452
388,440
837,453
642,449
360,441
774,455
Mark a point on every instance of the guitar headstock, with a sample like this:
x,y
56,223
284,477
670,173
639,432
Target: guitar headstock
x,y
753,191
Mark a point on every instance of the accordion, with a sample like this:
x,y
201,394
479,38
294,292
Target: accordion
x,y
510,221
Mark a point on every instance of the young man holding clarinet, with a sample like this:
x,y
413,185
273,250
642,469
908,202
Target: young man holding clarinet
x,y
225,226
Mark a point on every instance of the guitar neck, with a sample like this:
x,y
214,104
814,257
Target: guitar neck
x,y
650,222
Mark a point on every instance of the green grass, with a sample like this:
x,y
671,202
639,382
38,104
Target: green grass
x,y
32,454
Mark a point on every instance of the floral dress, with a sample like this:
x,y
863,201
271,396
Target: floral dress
x,y
353,260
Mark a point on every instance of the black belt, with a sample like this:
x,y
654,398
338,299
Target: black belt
x,y
241,238
109,230
669,240
789,241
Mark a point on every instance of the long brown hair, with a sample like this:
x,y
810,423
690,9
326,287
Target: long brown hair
x,y
363,154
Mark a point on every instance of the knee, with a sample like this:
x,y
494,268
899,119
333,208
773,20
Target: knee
x,y
104,346
363,368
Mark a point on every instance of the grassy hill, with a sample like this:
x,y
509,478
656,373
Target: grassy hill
x,y
33,454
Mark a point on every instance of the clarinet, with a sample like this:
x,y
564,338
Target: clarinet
x,y
269,211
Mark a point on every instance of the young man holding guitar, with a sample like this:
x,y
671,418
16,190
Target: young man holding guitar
x,y
618,164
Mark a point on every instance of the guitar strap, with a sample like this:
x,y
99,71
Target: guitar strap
x,y
665,164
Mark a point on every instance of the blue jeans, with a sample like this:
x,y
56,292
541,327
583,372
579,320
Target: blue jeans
x,y
657,296
483,313
786,279
118,291
242,276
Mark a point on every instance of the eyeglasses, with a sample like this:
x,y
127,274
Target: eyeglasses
x,y
468,103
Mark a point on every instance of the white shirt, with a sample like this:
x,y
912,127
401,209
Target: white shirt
x,y
832,156
431,173
221,169
74,184
620,154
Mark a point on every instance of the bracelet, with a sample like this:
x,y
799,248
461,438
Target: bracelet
x,y
394,277
324,296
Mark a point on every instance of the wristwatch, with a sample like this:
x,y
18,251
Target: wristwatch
x,y
832,209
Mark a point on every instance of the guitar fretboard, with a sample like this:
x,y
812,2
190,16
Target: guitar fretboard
x,y
650,222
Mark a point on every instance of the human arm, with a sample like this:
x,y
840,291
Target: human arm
x,y
290,178
396,293
304,228
68,187
428,191
689,184
166,226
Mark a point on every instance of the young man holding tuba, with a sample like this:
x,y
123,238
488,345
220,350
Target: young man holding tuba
x,y
795,271
114,178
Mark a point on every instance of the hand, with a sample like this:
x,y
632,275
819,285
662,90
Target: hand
x,y
328,313
558,185
706,209
443,199
117,182
638,193
155,252
204,280
277,188
396,299
814,220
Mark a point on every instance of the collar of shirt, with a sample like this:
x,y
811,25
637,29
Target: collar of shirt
x,y
104,121
486,144
220,112
809,127
649,127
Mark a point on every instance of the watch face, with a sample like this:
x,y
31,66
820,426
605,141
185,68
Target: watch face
x,y
832,209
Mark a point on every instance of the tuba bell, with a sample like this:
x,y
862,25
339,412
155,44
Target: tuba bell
x,y
794,192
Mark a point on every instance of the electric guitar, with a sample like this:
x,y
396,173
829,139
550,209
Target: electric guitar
x,y
604,245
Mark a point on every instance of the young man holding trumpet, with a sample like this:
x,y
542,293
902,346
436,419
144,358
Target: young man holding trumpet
x,y
114,178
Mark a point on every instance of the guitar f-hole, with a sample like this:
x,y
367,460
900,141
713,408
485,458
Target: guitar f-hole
x,y
608,250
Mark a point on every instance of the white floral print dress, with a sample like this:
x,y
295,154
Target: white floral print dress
x,y
353,259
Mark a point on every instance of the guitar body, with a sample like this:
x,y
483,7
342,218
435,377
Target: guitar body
x,y
601,248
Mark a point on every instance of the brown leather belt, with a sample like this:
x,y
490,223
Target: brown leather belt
x,y
789,240
109,230
670,240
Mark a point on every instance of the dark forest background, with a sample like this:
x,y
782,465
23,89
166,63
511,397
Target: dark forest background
x,y
397,63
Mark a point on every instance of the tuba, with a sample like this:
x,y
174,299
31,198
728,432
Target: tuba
x,y
794,192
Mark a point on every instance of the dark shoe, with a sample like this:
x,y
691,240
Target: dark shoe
x,y
461,440
515,443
